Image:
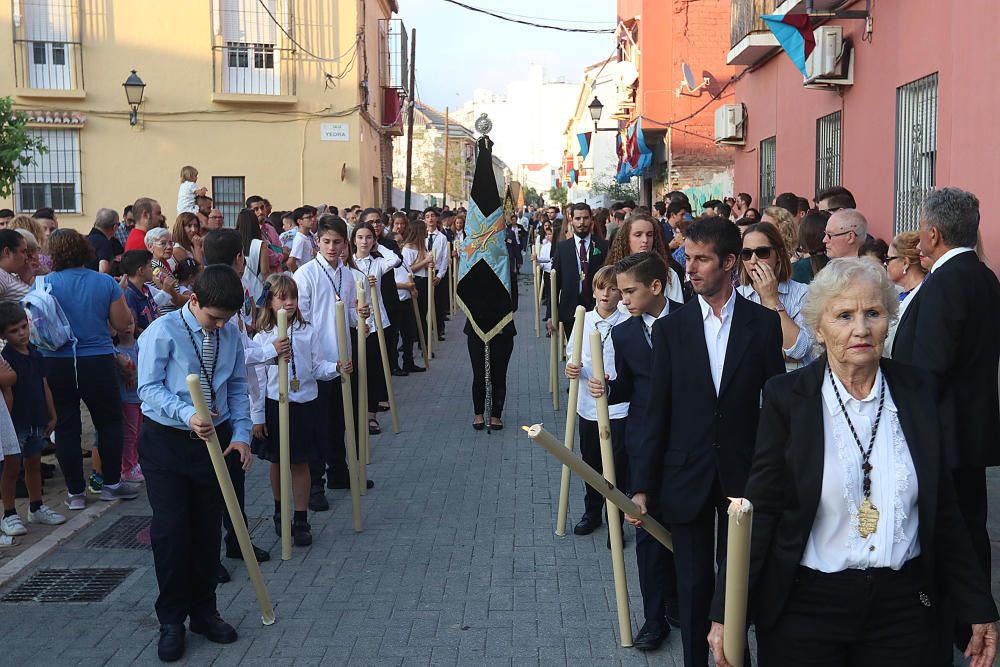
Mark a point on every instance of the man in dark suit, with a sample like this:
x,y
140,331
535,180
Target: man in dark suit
x,y
575,262
711,359
951,329
641,279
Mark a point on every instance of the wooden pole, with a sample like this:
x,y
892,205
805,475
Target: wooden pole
x,y
570,432
351,441
284,468
614,525
604,487
363,454
420,328
734,636
384,352
232,504
451,275
431,314
535,293
411,103
447,130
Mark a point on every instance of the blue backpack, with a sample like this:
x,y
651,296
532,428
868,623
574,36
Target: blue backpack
x,y
49,327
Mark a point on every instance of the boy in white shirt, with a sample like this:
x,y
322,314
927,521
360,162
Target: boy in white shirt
x,y
304,242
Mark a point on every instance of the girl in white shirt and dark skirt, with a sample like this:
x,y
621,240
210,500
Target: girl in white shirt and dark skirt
x,y
306,364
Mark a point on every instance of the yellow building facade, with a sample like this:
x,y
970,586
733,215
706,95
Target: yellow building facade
x,y
294,100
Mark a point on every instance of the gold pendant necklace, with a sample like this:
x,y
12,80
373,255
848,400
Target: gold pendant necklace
x,y
867,518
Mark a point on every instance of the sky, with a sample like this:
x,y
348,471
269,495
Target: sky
x,y
459,50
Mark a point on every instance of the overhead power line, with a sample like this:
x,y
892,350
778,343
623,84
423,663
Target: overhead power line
x,y
512,19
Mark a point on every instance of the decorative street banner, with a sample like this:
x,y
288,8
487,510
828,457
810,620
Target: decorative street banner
x,y
584,139
795,35
483,269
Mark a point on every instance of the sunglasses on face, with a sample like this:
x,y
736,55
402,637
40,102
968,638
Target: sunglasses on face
x,y
762,252
890,258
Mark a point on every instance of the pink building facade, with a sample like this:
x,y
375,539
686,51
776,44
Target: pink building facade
x,y
923,110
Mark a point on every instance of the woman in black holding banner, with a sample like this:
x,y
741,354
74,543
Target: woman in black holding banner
x,y
484,290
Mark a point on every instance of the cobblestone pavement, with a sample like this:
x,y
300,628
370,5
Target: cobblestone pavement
x,y
458,563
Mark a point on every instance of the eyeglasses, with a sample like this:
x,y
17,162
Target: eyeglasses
x,y
215,217
890,258
832,209
828,235
762,252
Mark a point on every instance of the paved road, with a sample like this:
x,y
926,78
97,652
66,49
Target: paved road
x,y
458,563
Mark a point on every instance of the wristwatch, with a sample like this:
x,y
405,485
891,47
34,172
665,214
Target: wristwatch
x,y
780,308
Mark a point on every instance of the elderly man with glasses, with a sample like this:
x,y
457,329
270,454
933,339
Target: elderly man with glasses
x,y
846,230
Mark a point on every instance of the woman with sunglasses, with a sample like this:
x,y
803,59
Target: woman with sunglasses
x,y
765,278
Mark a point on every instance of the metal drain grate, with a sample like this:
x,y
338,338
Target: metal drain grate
x,y
73,585
127,532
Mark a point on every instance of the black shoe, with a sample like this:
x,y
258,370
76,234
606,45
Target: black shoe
x,y
399,372
222,575
170,648
235,553
317,500
651,636
345,484
302,534
414,369
440,339
587,525
277,524
214,629
479,426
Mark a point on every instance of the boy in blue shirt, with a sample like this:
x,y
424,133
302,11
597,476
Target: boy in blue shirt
x,y
180,480
137,266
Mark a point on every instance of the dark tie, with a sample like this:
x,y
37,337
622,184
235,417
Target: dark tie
x,y
586,292
430,241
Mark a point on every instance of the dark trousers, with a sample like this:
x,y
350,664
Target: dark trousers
x,y
695,544
329,455
513,287
501,347
95,382
441,302
847,619
408,334
392,340
422,304
239,478
590,450
187,509
376,377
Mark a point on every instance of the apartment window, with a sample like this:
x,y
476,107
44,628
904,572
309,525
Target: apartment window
x,y
828,151
228,195
251,61
768,170
53,179
916,149
47,48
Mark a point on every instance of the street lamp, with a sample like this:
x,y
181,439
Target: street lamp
x,y
134,88
596,109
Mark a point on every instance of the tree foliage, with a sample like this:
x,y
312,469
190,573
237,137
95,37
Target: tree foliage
x,y
17,146
607,185
558,196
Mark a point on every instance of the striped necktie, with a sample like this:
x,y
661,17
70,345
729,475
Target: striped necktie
x,y
207,373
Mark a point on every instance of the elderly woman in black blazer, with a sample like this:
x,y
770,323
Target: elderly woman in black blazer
x,y
857,538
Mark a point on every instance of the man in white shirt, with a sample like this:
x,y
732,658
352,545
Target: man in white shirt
x,y
437,244
846,230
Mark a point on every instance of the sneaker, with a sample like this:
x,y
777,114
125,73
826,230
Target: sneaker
x,y
11,525
119,491
45,515
134,475
95,484
76,501
7,541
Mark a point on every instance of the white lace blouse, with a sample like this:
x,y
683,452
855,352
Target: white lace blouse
x,y
835,544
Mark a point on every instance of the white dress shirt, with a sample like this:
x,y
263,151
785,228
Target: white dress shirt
x,y
717,335
410,257
378,267
318,301
835,544
792,296
402,276
310,365
440,250
586,405
954,252
543,251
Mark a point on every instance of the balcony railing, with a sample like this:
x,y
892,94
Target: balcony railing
x,y
242,68
48,49
745,18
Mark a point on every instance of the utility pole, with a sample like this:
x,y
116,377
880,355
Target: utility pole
x,y
409,121
447,129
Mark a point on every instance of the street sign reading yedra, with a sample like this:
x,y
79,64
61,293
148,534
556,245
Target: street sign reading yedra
x,y
334,132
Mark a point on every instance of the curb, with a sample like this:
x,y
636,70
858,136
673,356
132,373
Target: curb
x,y
35,552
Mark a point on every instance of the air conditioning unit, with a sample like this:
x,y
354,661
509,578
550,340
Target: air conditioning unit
x,y
729,120
841,75
831,63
